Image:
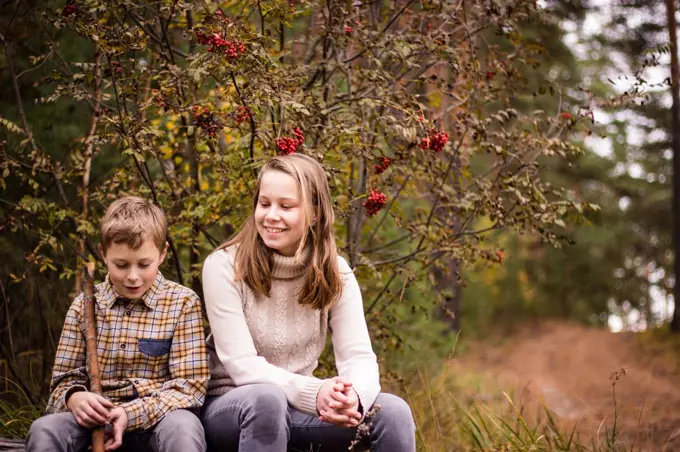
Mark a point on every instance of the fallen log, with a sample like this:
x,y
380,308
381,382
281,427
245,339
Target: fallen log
x,y
11,445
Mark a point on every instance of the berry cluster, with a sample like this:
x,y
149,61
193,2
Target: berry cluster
x,y
230,49
291,6
114,68
242,114
221,17
69,10
382,166
288,145
158,98
375,202
206,120
435,140
348,29
566,115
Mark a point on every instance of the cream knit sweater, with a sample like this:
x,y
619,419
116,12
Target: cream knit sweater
x,y
256,339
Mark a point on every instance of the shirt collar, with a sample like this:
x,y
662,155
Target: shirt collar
x,y
107,296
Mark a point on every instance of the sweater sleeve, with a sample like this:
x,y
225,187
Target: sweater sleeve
x,y
234,344
354,356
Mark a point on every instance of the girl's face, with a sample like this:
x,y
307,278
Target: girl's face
x,y
279,214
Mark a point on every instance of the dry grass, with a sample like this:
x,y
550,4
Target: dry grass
x,y
559,387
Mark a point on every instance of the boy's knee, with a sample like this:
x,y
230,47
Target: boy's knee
x,y
180,422
41,426
180,431
52,424
54,432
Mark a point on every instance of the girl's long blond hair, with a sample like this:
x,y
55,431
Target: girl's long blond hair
x,y
253,265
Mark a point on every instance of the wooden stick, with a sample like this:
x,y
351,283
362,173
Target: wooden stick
x,y
91,343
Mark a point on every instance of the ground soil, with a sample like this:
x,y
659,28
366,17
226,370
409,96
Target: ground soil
x,y
569,369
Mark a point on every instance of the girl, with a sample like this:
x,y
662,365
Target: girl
x,y
272,294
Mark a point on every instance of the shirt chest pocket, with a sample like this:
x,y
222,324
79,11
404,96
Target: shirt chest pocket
x,y
154,355
155,348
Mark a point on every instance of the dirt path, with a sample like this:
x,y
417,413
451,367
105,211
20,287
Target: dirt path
x,y
568,368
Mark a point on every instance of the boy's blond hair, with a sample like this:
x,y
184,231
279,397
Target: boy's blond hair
x,y
132,220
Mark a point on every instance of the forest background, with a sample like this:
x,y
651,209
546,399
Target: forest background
x,y
494,164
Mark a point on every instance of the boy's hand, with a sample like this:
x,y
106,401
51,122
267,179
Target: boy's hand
x,y
338,403
89,409
119,421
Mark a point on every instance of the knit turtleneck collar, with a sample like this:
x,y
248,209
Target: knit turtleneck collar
x,y
284,267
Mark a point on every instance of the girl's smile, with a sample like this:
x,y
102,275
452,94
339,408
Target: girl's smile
x,y
279,214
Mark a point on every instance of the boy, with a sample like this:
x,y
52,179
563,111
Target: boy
x,y
151,349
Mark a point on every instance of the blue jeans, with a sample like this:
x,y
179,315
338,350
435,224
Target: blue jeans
x,y
257,418
178,431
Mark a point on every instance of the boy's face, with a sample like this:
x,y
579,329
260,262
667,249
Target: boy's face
x,y
133,272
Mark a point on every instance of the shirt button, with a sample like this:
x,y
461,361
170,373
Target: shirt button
x,y
122,346
128,313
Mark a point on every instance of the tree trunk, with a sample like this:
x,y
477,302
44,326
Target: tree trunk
x,y
675,134
449,310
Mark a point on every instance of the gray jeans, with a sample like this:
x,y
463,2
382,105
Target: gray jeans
x,y
257,418
178,431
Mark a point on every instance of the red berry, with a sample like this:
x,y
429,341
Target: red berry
x,y
435,140
69,10
205,119
383,165
230,49
288,145
566,115
375,201
242,114
348,29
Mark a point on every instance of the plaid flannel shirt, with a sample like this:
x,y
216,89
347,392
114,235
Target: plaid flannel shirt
x,y
151,352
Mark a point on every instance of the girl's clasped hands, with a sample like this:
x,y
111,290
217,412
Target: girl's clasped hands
x,y
338,403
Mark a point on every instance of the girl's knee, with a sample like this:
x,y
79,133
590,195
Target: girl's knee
x,y
394,411
267,397
255,401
